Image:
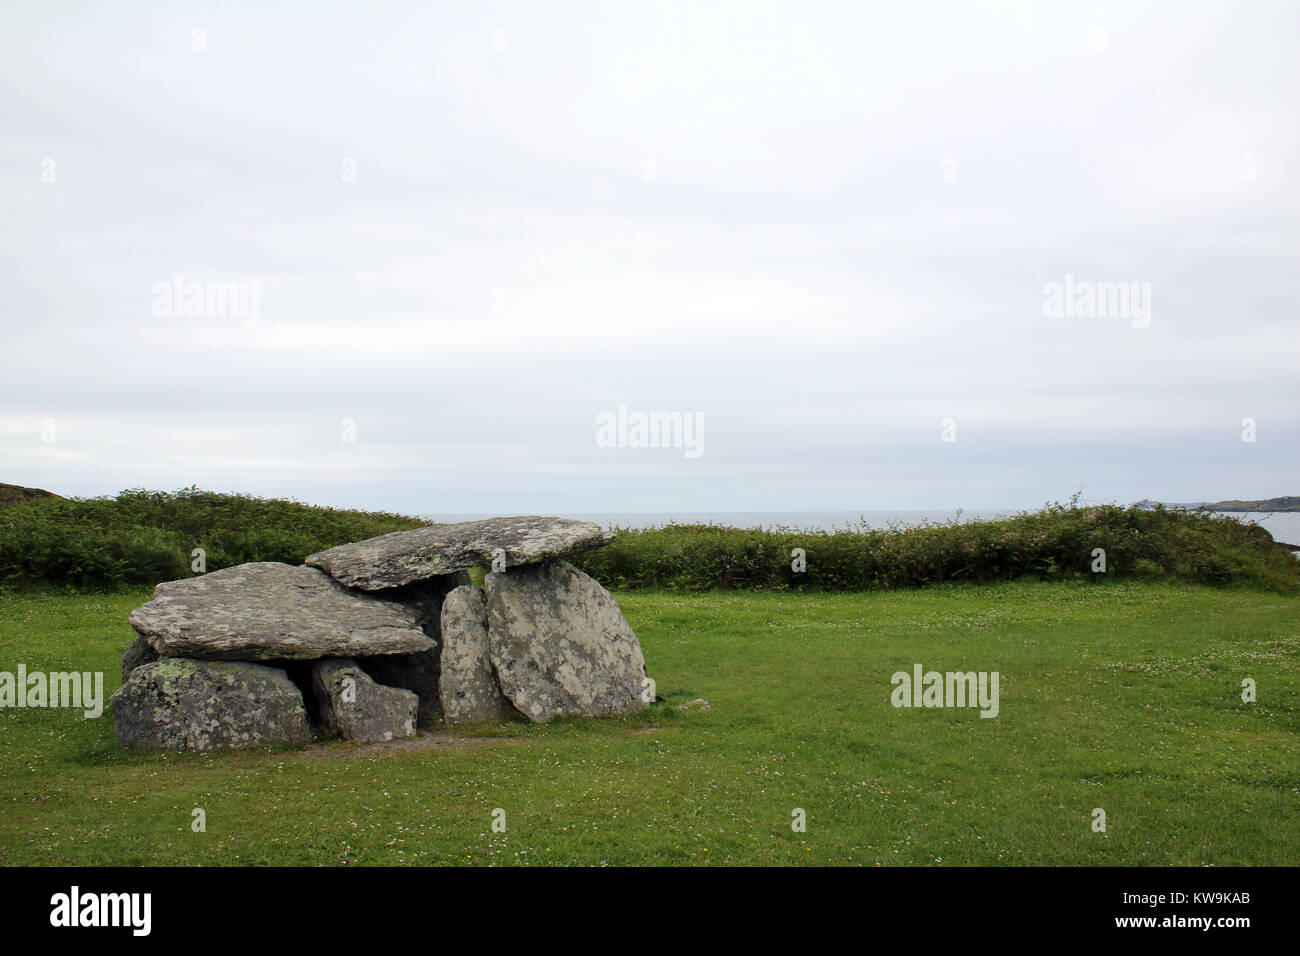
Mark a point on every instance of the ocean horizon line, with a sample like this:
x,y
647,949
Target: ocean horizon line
x,y
1282,525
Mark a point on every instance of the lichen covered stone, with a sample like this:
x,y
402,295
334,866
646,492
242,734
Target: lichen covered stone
x,y
180,704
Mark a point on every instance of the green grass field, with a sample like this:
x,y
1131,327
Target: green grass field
x,y
1121,696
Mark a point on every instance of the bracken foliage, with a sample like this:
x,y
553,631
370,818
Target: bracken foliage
x,y
142,537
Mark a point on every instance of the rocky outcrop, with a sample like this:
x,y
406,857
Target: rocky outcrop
x,y
356,708
469,690
560,645
396,559
271,611
181,704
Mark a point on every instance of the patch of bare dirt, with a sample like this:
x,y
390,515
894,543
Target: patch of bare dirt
x,y
449,743
424,743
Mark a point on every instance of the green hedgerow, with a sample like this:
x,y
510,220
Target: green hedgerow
x,y
1057,542
142,537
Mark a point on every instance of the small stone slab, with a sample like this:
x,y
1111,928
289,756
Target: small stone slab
x,y
392,560
356,708
272,611
417,673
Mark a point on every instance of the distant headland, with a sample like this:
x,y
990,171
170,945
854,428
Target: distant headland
x,y
12,494
1285,503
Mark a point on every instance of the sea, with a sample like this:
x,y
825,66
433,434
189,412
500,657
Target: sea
x,y
1282,525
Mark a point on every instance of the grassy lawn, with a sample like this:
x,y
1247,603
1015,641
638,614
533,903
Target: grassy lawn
x,y
1120,696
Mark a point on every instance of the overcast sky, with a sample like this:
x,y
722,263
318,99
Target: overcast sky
x,y
819,230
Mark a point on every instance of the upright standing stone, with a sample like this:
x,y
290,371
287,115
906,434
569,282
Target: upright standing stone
x,y
560,644
355,707
468,685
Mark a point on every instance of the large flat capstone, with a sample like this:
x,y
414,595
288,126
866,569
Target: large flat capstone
x,y
560,644
396,559
273,611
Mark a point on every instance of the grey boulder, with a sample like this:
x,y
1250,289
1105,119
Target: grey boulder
x,y
355,707
560,645
468,686
179,704
273,611
392,560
